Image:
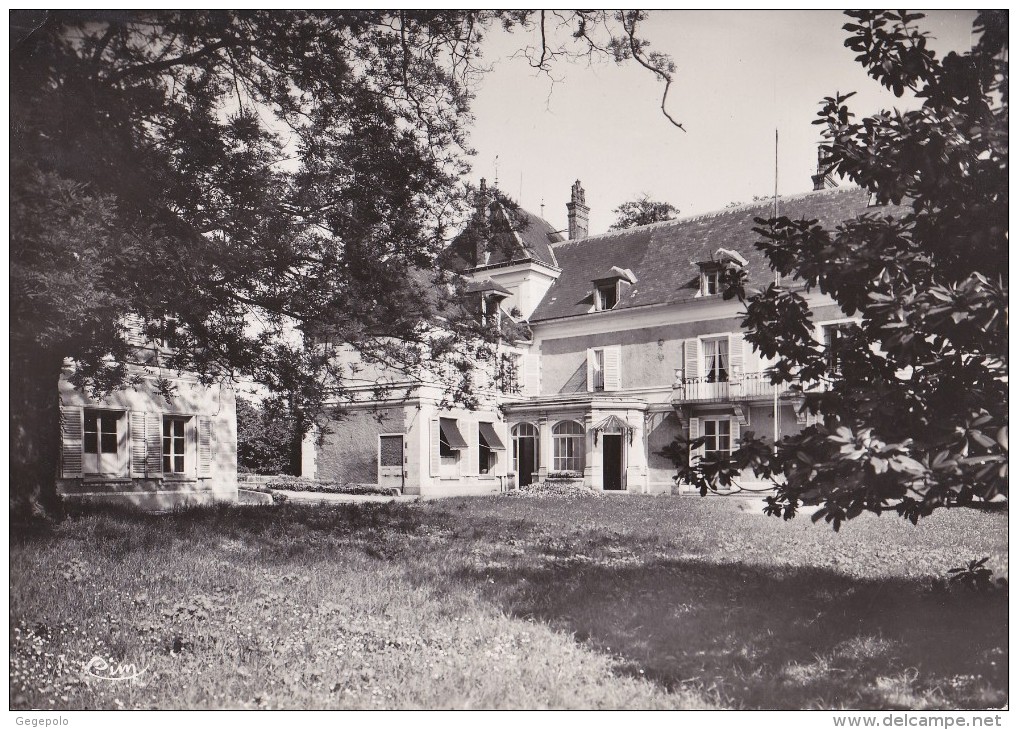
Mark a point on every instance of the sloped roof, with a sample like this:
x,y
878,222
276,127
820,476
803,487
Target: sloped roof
x,y
528,237
664,255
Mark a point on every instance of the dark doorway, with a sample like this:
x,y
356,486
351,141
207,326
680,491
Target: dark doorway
x,y
525,453
612,461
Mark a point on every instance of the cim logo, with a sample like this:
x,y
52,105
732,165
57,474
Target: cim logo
x,y
99,668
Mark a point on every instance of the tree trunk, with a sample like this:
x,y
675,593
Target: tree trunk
x,y
35,432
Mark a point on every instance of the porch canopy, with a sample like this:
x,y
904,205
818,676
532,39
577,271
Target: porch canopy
x,y
490,437
613,424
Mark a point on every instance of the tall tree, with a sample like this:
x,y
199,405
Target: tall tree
x,y
642,211
911,401
236,178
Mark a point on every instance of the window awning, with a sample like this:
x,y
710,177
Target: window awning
x,y
613,424
451,433
489,436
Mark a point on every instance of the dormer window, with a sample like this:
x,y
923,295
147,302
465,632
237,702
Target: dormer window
x,y
607,296
611,287
710,281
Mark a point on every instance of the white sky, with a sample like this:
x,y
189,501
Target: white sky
x,y
739,75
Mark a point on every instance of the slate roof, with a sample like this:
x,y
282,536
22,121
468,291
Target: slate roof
x,y
664,256
531,240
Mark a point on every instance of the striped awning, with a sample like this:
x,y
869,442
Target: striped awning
x,y
451,434
491,438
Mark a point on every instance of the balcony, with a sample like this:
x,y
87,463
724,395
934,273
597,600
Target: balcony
x,y
740,387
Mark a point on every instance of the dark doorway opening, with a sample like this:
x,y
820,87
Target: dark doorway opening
x,y
612,462
526,455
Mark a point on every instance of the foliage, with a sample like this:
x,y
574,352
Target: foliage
x,y
912,407
265,439
324,486
976,576
240,179
642,211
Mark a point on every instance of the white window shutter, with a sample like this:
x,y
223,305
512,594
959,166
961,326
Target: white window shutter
x,y
590,369
470,459
736,353
531,378
139,447
72,434
613,368
134,324
692,365
154,437
436,457
736,433
204,446
694,433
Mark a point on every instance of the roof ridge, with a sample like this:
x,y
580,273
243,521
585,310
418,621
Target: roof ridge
x,y
716,213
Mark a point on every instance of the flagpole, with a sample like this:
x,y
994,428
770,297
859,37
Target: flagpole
x,y
776,280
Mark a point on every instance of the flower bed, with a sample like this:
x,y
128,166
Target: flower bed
x,y
302,484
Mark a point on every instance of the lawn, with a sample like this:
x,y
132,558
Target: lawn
x,y
506,602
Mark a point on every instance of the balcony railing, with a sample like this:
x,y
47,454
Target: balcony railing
x,y
739,386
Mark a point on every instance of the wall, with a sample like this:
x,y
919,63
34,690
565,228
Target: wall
x,y
189,398
660,470
650,355
349,451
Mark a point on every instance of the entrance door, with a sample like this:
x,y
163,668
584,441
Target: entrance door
x,y
527,448
524,453
390,461
612,461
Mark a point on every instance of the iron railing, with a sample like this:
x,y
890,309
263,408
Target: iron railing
x,y
738,386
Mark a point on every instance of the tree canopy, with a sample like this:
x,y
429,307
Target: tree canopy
x,y
642,211
911,400
236,178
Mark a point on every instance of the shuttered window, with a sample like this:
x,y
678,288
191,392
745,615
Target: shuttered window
x,y
174,444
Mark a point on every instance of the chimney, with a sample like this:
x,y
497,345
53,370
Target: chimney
x,y
579,213
822,179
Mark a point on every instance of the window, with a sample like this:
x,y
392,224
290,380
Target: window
x,y
509,372
597,370
607,296
174,444
717,433
715,360
102,442
835,336
567,439
710,281
485,454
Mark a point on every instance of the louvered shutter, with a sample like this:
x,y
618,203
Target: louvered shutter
x,y
531,379
71,438
470,458
590,370
204,446
736,433
736,354
613,368
692,365
139,447
694,433
154,438
135,330
436,457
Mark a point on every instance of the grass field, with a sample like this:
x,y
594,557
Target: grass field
x,y
506,602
